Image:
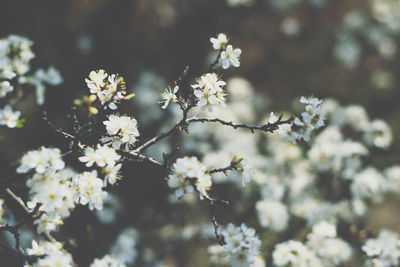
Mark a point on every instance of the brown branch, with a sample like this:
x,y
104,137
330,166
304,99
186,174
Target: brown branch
x,y
213,210
28,212
268,127
64,134
233,166
177,127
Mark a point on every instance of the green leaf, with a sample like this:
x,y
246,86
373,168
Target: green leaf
x,y
20,123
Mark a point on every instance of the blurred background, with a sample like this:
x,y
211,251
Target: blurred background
x,y
347,50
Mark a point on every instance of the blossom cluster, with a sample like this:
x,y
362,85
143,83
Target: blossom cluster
x,y
304,126
58,189
15,58
89,190
122,253
55,254
189,173
106,158
229,55
39,79
107,261
241,244
15,54
323,248
121,130
41,160
384,250
124,248
209,91
109,89
55,193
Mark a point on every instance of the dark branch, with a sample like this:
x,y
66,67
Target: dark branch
x,y
213,210
268,127
213,64
233,166
30,259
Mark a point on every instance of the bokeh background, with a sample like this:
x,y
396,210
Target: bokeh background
x,y
290,48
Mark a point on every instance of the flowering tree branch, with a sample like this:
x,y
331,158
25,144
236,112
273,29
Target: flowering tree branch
x,y
268,127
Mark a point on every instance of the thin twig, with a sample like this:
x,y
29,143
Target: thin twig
x,y
268,127
18,200
233,166
22,204
213,64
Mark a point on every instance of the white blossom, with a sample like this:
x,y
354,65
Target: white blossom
x,y
272,215
378,133
124,247
107,261
209,91
102,156
121,130
169,95
219,42
230,57
241,244
296,254
5,88
383,250
109,89
186,171
248,171
90,190
55,254
9,117
50,76
41,160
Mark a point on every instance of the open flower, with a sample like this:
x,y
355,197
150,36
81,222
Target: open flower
x,y
169,96
9,117
219,42
230,57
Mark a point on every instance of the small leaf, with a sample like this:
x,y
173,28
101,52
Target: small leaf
x,y
20,123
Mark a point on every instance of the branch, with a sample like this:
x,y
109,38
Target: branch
x,y
30,259
213,210
268,127
179,126
233,166
18,200
17,250
140,157
28,212
64,134
213,64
